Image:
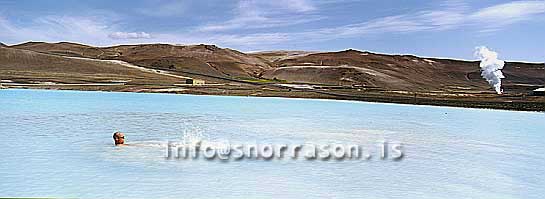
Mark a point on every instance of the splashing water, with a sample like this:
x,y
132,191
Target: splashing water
x,y
491,67
193,136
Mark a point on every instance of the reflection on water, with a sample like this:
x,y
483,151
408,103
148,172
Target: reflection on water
x,y
59,144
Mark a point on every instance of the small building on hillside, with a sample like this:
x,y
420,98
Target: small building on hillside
x,y
539,92
194,81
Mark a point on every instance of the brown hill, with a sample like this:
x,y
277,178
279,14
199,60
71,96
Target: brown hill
x,y
350,67
276,56
399,72
26,66
207,59
62,48
204,59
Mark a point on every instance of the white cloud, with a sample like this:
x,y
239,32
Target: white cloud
x,y
253,14
514,11
92,30
254,22
296,5
494,17
66,26
433,20
56,28
129,35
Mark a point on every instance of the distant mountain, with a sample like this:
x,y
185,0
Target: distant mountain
x,y
29,66
61,48
206,59
349,67
3,45
397,72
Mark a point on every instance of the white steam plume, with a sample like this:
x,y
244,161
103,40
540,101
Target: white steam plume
x,y
490,67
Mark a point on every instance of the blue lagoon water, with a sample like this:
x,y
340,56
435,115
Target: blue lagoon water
x,y
59,144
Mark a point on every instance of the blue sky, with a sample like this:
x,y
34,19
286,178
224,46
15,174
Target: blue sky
x,y
450,28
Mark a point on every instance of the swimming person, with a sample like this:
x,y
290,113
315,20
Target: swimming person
x,y
119,138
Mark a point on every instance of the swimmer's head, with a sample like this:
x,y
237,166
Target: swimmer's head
x,y
119,138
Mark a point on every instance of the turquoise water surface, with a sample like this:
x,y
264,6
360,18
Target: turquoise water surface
x,y
59,144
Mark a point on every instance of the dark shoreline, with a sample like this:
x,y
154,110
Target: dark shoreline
x,y
306,94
